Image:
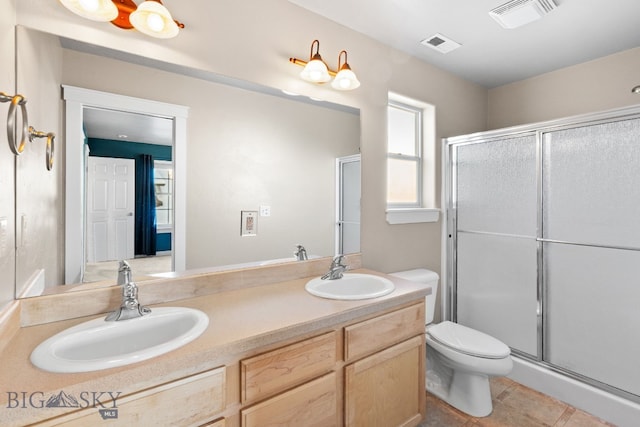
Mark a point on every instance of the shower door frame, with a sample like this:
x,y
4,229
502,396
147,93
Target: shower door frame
x,y
450,229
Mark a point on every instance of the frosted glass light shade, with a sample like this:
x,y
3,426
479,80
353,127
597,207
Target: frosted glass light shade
x,y
345,80
153,19
315,71
96,10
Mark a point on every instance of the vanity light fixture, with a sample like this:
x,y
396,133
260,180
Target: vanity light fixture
x,y
316,70
151,17
345,79
636,90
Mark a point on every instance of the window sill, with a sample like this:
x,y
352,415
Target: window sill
x,y
412,216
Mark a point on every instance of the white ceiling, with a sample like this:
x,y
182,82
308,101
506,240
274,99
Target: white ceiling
x,y
576,31
131,127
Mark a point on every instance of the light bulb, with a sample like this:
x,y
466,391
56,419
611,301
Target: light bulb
x,y
153,19
89,5
96,10
316,72
315,75
345,80
155,22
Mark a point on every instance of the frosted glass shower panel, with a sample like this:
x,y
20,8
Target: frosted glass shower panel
x,y
497,288
593,313
496,186
591,184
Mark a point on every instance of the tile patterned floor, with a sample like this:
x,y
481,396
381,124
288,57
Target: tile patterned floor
x,y
514,405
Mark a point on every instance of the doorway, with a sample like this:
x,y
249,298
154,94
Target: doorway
x,y
77,102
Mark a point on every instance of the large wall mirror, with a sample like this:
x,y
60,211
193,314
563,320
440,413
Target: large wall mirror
x,y
247,150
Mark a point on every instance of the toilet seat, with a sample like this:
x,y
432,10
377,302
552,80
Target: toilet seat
x,y
468,341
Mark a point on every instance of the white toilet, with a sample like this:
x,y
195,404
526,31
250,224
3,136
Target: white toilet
x,y
459,359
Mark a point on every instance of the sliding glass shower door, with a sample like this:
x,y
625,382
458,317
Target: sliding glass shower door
x,y
544,243
496,195
591,217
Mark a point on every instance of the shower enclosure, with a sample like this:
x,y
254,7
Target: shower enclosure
x,y
543,243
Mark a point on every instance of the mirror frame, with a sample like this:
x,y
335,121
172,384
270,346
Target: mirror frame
x,y
76,99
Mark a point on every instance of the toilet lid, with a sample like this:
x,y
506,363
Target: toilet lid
x,y
468,341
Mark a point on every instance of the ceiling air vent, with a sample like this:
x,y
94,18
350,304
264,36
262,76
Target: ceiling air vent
x,y
517,13
440,43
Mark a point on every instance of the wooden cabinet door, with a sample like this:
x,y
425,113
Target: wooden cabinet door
x,y
386,389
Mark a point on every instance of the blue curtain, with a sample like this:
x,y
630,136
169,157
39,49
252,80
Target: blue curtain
x,y
145,206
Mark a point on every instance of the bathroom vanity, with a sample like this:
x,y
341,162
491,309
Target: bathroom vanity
x,y
272,355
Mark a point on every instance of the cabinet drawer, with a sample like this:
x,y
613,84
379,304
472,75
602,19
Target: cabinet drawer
x,y
375,334
278,370
185,402
217,423
314,404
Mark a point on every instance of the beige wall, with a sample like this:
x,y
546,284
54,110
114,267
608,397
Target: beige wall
x,y
40,192
602,84
7,165
253,41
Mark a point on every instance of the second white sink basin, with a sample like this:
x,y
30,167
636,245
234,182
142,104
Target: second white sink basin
x,y
98,344
352,286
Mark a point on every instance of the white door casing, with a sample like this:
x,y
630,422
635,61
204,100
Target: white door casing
x,y
76,99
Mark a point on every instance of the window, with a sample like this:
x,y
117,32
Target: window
x,y
410,161
404,155
163,180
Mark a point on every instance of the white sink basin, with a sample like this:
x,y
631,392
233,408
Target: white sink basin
x,y
352,286
98,344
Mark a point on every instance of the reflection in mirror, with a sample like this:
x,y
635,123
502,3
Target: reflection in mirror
x,y
248,149
110,188
120,204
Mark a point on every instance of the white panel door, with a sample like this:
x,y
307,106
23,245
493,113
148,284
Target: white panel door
x,y
110,209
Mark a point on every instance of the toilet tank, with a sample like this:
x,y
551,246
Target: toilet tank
x,y
428,277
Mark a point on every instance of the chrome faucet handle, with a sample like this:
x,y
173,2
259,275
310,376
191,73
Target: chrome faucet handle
x,y
337,269
129,307
337,261
300,253
124,273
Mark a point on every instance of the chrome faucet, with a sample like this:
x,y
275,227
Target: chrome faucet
x,y
130,307
337,269
300,253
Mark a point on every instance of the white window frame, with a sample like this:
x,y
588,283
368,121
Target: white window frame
x,y
425,210
417,158
167,165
